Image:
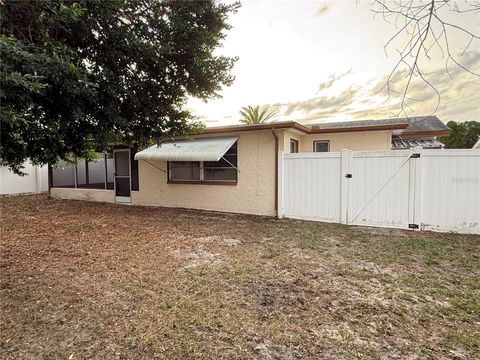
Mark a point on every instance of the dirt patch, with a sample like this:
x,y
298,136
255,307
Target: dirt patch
x,y
267,350
383,231
374,268
300,254
218,240
199,257
126,282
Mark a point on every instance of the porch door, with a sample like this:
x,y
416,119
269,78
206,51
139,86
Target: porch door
x,y
122,175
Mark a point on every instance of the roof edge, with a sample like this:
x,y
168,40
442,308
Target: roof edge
x,y
269,126
318,130
299,127
427,133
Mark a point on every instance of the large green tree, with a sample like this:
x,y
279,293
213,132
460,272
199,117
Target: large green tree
x,y
76,75
462,136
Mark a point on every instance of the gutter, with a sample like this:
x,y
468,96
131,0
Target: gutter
x,y
269,126
301,128
276,171
318,130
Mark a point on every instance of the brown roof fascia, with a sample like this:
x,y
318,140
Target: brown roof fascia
x,y
426,133
271,126
317,130
299,127
293,125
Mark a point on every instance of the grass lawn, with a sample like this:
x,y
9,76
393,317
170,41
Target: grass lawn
x,y
88,280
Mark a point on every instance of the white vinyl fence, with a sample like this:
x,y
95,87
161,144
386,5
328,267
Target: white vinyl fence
x,y
422,189
35,180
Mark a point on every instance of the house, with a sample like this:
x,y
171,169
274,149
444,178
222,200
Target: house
x,y
229,168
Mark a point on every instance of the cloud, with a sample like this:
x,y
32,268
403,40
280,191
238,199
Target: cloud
x,y
343,96
319,106
470,59
322,10
332,79
455,93
447,73
458,98
207,120
377,112
323,115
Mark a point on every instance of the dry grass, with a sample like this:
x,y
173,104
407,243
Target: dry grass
x,y
87,280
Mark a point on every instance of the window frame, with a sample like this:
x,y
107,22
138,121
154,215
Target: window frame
x,y
294,142
107,185
321,142
202,169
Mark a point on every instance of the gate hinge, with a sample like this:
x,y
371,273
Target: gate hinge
x,y
415,156
413,226
348,176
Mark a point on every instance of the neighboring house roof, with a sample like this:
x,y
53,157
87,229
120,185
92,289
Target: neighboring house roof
x,y
426,143
413,126
426,125
477,144
360,123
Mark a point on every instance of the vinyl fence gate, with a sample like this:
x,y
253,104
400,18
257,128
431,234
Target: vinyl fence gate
x,y
421,189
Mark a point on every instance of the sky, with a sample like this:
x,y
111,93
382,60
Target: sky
x,y
322,61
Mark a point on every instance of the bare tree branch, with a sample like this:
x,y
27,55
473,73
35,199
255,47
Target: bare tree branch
x,y
424,24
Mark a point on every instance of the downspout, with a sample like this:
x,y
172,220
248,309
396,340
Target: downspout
x,y
276,171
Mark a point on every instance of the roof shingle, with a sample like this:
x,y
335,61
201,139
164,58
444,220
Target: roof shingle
x,y
415,124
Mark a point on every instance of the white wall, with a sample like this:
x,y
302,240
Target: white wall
x,y
36,180
439,190
311,187
450,194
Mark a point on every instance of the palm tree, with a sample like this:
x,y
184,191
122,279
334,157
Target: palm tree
x,y
256,114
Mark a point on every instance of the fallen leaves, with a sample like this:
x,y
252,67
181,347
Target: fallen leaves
x,y
89,280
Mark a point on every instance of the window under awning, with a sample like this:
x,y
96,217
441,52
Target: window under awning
x,y
209,149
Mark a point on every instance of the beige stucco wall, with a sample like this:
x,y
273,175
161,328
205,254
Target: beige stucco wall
x,y
357,141
286,136
253,194
83,194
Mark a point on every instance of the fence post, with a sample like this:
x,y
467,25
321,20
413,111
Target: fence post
x,y
345,169
280,185
413,188
417,205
